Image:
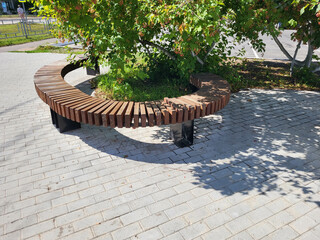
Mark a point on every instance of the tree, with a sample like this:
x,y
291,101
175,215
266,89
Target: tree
x,y
185,32
302,16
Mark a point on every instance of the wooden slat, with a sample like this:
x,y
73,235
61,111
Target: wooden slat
x,y
196,105
105,114
112,115
157,113
120,114
190,108
90,113
97,114
129,114
164,112
172,113
71,109
136,113
182,111
150,114
143,115
52,100
84,111
59,104
65,107
203,105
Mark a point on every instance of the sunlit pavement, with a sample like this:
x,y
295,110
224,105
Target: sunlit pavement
x,y
253,172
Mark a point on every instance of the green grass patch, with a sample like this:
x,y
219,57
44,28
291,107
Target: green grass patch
x,y
16,31
53,49
15,16
139,90
143,82
20,40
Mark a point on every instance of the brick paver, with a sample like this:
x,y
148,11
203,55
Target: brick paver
x,y
253,172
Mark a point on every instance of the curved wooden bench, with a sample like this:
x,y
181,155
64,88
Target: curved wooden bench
x,y
70,106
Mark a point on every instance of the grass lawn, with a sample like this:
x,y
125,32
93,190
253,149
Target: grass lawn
x,y
16,16
17,30
52,49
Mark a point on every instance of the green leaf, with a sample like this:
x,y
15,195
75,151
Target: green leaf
x,y
292,22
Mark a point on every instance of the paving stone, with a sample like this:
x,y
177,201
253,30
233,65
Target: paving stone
x,y
283,233
116,212
194,230
217,220
107,226
175,236
87,222
217,233
134,216
84,234
242,236
127,231
260,230
307,236
154,220
303,224
153,233
173,226
57,233
37,229
52,213
251,169
239,224
178,210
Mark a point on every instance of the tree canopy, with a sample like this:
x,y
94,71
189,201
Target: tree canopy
x,y
187,32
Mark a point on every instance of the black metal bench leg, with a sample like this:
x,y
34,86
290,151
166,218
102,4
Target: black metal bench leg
x,y
182,133
95,71
65,124
54,117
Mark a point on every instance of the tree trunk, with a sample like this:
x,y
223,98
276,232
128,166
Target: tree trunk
x,y
294,57
285,52
308,60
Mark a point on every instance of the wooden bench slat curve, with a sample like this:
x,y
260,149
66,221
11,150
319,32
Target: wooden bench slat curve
x,y
212,95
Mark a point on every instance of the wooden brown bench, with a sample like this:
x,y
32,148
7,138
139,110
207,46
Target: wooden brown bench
x,y
69,106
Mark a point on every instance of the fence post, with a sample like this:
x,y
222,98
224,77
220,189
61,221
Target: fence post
x,y
24,28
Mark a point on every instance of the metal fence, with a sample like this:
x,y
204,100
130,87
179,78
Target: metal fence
x,y
13,28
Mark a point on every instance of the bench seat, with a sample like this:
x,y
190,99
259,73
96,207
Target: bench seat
x,y
212,95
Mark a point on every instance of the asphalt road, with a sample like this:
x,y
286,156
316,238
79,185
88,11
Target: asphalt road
x,y
272,51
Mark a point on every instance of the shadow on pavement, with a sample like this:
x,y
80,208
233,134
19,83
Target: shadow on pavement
x,y
258,142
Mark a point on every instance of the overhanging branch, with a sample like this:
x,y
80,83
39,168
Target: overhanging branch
x,y
145,42
198,59
210,50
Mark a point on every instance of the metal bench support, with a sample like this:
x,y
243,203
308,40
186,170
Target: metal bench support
x,y
94,71
64,124
182,133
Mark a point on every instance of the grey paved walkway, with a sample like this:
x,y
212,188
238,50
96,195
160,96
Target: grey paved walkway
x,y
253,172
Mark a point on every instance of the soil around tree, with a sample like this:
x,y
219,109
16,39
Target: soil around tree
x,y
271,74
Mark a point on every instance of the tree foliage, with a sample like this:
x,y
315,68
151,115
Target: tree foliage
x,y
302,16
186,32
